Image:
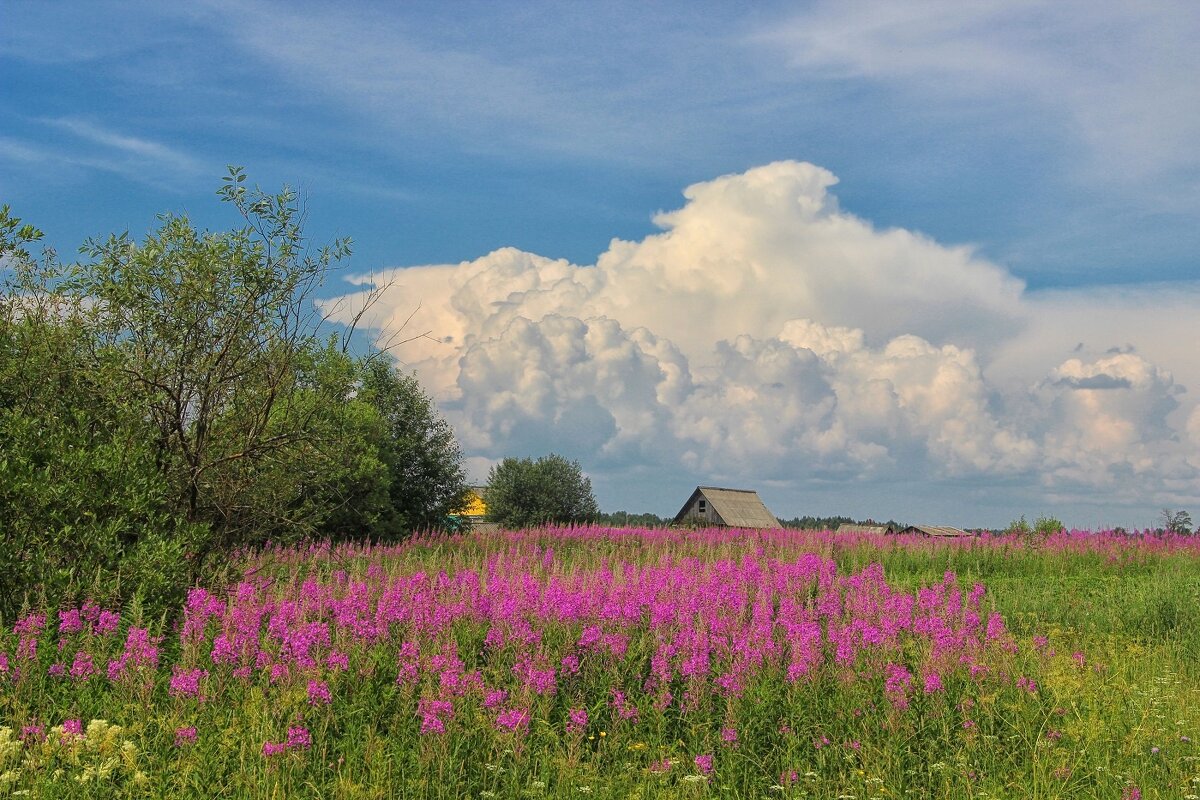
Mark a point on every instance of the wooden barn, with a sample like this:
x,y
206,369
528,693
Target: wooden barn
x,y
730,508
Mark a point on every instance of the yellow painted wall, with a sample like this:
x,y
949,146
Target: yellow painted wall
x,y
475,506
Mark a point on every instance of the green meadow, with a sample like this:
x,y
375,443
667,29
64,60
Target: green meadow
x,y
588,662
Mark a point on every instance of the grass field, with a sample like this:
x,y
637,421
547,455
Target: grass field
x,y
630,663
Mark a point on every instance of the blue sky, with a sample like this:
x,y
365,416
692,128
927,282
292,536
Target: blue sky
x,y
1056,142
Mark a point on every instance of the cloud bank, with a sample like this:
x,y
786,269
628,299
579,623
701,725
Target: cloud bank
x,y
767,337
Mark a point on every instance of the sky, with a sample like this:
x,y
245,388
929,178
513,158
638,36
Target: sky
x,y
932,261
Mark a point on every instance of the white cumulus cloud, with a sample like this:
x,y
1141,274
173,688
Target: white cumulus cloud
x,y
767,335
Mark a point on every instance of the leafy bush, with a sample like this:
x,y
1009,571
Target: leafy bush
x,y
1047,526
163,403
522,492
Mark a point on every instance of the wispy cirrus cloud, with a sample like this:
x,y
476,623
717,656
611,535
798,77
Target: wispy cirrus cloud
x,y
1115,77
130,152
72,143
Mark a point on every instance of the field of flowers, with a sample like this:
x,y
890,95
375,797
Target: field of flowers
x,y
591,662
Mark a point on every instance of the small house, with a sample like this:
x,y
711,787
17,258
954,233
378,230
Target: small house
x,y
730,508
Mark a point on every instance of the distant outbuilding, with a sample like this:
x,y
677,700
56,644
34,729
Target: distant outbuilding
x,y
876,529
473,513
937,531
731,508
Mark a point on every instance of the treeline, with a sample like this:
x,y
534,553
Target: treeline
x,y
164,403
626,519
808,523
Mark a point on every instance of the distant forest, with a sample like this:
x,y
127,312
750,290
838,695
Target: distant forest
x,y
628,519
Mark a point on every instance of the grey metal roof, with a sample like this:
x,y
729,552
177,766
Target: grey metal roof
x,y
739,508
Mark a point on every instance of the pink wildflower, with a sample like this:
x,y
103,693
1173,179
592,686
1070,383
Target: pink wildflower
x,y
186,682
72,727
185,736
729,735
318,693
272,749
513,719
933,683
704,763
69,621
30,625
82,667
434,714
896,685
298,738
107,622
625,709
577,720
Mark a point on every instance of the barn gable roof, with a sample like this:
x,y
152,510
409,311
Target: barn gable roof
x,y
739,508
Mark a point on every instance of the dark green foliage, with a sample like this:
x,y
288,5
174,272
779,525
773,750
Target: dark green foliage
x,y
832,523
163,403
1178,522
816,523
83,505
1019,527
522,492
627,519
409,473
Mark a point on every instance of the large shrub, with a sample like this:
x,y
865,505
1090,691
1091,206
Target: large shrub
x,y
522,492
163,403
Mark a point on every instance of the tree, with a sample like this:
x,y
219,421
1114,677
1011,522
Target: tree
x,y
211,331
85,508
1042,528
168,401
423,460
1179,522
1047,526
522,493
630,519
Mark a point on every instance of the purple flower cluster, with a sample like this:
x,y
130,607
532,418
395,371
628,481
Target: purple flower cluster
x,y
298,738
682,630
